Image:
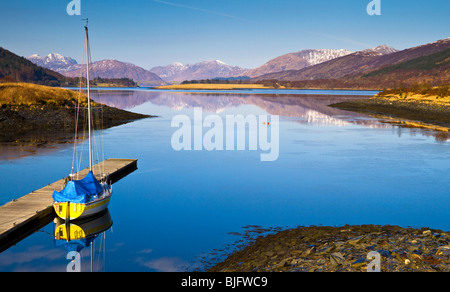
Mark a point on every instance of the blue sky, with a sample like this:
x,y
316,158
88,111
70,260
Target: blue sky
x,y
246,33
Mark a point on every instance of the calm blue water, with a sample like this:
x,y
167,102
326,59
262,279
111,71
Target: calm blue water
x,y
334,168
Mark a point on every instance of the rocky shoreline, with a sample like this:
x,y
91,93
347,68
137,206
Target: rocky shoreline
x,y
50,124
343,249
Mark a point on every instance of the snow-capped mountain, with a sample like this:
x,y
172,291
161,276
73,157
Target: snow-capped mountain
x,y
384,50
105,68
202,70
297,61
167,72
116,69
52,61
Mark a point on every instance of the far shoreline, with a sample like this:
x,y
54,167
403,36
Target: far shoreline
x,y
423,108
204,86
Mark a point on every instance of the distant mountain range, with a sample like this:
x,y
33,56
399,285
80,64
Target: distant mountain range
x,y
362,62
14,68
203,70
379,67
117,69
178,72
104,69
175,72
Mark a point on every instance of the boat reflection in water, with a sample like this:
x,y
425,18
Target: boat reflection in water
x,y
74,238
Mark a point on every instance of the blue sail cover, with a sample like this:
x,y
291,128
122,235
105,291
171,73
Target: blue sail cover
x,y
79,191
75,245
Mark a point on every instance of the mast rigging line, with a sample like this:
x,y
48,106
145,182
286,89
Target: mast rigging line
x,y
93,143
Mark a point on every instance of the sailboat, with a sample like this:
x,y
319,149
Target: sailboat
x,y
86,197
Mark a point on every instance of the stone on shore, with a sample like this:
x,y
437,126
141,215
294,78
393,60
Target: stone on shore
x,y
343,249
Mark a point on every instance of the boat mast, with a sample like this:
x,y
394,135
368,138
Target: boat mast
x,y
88,95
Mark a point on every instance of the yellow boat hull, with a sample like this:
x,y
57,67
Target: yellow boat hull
x,y
69,232
83,228
71,211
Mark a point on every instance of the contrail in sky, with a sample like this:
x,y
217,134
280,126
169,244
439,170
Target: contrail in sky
x,y
201,10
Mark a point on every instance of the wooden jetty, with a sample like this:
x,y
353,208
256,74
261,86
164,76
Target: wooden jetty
x,y
20,218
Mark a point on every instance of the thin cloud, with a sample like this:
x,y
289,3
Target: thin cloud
x,y
201,10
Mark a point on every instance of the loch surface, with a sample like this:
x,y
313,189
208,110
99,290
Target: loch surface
x,y
334,168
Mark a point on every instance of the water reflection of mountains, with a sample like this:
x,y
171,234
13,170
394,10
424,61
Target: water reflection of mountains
x,y
309,108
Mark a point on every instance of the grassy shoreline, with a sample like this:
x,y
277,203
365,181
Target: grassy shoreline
x,y
213,87
425,108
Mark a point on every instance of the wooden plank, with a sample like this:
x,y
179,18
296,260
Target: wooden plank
x,y
21,217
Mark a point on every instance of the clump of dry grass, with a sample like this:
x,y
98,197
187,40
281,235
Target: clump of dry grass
x,y
436,96
32,95
419,89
